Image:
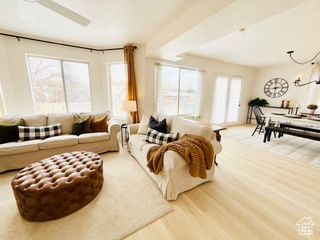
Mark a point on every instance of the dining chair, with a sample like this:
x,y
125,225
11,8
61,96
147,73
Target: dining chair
x,y
260,119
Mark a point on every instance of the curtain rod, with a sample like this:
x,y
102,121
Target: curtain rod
x,y
62,44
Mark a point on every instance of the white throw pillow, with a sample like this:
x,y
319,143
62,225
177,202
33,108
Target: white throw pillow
x,y
143,126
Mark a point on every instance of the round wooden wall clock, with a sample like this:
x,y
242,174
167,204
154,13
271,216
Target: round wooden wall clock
x,y
276,87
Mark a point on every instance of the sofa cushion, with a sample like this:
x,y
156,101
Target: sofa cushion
x,y
160,126
143,125
65,119
94,137
58,141
10,132
10,119
137,140
153,136
81,126
29,133
19,147
99,124
146,147
184,127
36,120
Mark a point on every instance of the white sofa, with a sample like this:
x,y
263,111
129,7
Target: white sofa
x,y
174,177
15,155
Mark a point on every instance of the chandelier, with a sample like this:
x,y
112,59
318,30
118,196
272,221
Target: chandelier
x,y
301,63
297,81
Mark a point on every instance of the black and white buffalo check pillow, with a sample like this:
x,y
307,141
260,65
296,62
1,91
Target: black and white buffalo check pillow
x,y
29,133
154,136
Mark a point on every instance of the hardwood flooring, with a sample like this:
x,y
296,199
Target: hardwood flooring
x,y
255,195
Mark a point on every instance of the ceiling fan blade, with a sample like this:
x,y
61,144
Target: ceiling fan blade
x,y
64,12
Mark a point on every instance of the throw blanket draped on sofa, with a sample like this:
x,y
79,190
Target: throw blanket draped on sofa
x,y
197,151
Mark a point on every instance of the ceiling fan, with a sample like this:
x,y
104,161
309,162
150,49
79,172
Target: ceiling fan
x,y
73,16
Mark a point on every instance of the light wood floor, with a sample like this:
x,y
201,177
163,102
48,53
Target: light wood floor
x,y
255,195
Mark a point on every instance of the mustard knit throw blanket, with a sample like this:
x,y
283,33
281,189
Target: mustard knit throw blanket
x,y
197,151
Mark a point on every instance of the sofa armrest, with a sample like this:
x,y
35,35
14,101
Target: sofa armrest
x,y
133,128
113,127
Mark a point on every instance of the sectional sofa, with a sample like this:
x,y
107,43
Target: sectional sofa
x,y
15,155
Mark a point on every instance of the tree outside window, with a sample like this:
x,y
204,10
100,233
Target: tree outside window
x,y
59,86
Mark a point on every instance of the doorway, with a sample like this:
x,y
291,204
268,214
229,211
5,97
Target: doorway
x,y
226,100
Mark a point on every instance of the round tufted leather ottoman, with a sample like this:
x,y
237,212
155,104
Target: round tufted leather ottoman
x,y
57,186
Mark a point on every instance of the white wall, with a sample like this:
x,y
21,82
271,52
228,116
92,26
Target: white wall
x,y
212,69
289,72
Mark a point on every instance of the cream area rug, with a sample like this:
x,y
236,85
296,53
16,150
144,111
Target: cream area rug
x,y
297,148
128,201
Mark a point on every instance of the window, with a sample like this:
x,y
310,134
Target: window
x,y
59,86
118,82
178,90
226,100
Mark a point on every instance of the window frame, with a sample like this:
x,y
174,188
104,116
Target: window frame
x,y
179,86
27,55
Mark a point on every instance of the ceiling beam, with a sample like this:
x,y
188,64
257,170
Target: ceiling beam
x,y
206,21
197,13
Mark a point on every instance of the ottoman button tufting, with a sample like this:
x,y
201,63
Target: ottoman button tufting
x,y
57,186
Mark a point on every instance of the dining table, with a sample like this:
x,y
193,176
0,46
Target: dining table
x,y
294,119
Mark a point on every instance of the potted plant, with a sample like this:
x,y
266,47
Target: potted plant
x,y
258,102
311,108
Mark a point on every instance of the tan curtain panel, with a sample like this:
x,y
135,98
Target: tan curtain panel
x,y
132,89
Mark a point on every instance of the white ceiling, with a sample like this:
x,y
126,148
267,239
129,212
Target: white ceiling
x,y
266,42
113,22
170,28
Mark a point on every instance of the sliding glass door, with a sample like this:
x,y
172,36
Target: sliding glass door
x,y
226,100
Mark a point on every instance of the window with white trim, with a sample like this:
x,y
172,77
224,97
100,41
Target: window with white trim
x,y
59,85
118,87
178,90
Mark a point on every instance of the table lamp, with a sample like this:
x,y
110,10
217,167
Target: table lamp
x,y
129,106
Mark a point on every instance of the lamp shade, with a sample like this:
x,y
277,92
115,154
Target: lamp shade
x,y
129,106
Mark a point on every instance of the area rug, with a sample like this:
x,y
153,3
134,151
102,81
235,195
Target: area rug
x,y
300,149
128,201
